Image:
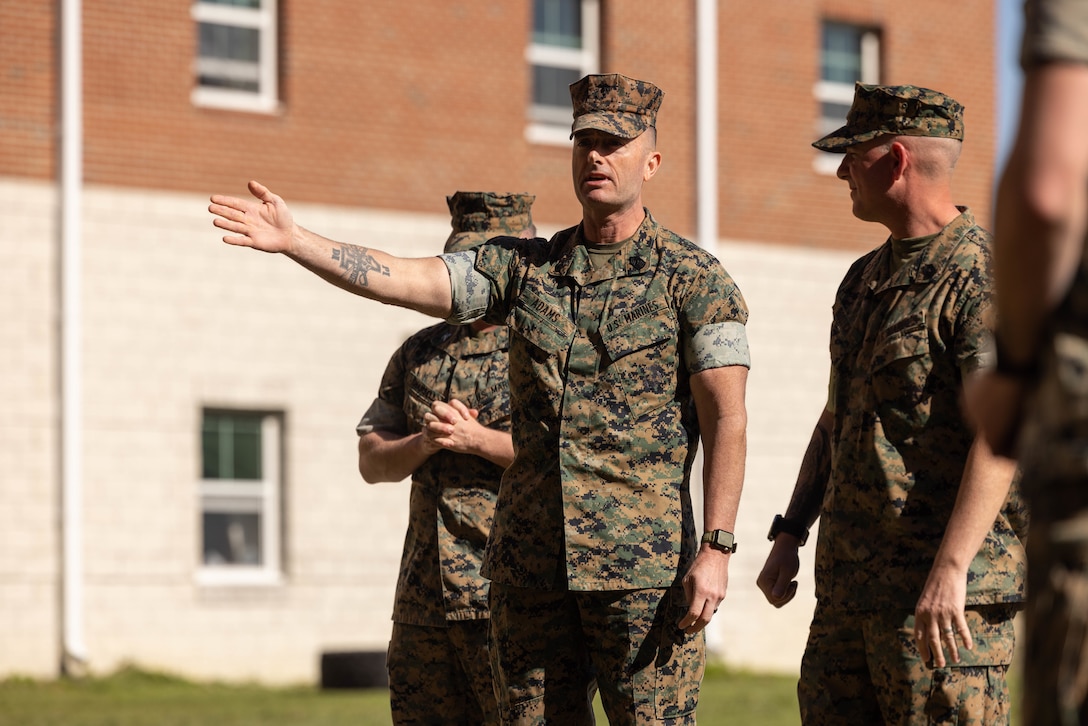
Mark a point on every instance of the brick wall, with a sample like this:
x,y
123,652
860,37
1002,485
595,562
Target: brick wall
x,y
28,91
769,65
396,107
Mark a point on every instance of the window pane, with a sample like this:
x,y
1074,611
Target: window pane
x,y
232,539
229,42
840,57
235,3
221,76
231,446
229,57
551,86
833,115
558,22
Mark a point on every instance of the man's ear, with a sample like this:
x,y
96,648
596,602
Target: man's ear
x,y
653,163
900,158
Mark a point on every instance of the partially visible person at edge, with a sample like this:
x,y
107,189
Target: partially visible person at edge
x,y
442,416
627,346
1035,403
919,564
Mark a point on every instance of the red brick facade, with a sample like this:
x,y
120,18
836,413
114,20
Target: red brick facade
x,y
28,90
393,105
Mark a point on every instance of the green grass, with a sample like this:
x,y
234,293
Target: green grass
x,y
138,698
133,697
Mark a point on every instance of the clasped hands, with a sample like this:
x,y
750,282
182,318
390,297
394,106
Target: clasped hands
x,y
451,426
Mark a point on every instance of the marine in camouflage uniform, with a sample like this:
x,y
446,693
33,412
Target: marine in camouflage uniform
x,y
909,323
627,348
439,668
1042,285
594,529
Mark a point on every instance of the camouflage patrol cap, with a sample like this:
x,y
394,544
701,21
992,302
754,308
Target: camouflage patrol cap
x,y
478,216
615,104
897,110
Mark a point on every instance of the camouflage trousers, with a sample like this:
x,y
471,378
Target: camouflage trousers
x,y
1056,628
441,675
864,668
552,649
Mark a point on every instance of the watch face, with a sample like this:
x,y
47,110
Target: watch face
x,y
721,539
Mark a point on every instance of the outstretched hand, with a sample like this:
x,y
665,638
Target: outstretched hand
x,y
264,224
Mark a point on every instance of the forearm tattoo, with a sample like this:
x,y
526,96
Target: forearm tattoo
x,y
357,263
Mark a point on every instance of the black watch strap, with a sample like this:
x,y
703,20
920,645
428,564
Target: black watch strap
x,y
719,539
1024,371
789,526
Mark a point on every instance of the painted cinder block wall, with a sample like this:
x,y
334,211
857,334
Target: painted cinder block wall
x,y
384,113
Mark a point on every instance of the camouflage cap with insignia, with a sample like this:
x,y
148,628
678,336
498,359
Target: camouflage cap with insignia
x,y
615,104
897,110
476,217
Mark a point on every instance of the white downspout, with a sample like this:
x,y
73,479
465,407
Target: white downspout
x,y
73,650
706,191
706,122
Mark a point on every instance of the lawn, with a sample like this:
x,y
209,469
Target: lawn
x,y
137,698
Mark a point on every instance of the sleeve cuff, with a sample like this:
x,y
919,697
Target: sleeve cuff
x,y
719,345
469,287
382,416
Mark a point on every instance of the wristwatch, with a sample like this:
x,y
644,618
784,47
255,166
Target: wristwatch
x,y
719,539
789,526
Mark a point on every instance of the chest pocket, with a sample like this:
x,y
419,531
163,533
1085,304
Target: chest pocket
x,y
643,359
541,321
418,397
541,337
900,367
493,404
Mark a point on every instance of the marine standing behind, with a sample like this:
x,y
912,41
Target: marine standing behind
x,y
442,415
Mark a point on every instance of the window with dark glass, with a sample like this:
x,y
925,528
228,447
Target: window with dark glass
x,y
848,54
236,52
239,489
563,47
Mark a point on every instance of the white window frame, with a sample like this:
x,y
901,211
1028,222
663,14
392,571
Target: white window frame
x,y
833,92
247,495
263,19
547,125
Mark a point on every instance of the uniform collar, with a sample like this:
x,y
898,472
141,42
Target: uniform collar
x,y
928,264
633,259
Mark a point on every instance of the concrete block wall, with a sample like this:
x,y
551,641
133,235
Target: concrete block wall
x,y
174,320
29,440
384,113
789,292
